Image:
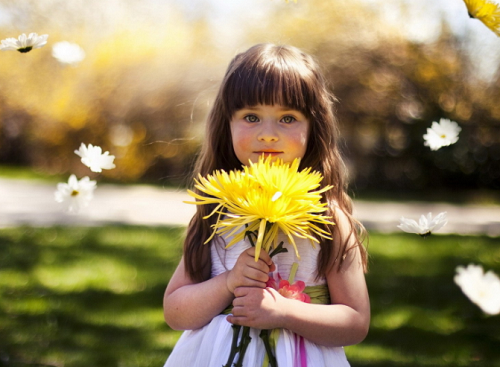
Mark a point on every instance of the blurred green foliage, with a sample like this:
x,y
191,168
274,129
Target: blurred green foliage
x,y
152,69
93,297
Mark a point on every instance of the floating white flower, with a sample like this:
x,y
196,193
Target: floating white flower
x,y
425,226
93,158
68,53
75,194
482,289
442,134
24,43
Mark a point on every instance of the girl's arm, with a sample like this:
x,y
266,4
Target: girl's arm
x,y
188,305
344,322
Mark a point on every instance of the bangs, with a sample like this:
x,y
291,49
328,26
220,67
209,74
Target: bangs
x,y
269,80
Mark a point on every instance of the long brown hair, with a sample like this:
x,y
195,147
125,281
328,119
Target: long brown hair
x,y
269,74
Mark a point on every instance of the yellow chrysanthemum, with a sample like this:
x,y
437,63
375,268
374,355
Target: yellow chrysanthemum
x,y
264,198
486,11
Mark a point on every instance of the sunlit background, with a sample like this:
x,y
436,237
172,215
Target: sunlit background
x,y
152,67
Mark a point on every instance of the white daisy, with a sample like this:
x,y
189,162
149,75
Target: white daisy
x,y
442,134
68,53
75,194
425,226
24,43
93,158
482,289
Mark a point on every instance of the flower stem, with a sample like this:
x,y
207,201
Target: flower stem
x,y
234,346
245,340
249,234
264,334
278,249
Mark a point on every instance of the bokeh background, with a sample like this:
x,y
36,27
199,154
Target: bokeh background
x,y
152,68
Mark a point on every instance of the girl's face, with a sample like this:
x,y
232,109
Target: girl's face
x,y
270,130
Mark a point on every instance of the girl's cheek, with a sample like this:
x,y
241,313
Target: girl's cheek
x,y
300,139
245,136
241,143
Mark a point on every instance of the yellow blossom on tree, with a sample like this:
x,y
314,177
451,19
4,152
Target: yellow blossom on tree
x,y
264,198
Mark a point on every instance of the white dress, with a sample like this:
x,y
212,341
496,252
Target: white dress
x,y
210,345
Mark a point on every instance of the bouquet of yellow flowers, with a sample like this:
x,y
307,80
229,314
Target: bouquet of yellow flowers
x,y
263,198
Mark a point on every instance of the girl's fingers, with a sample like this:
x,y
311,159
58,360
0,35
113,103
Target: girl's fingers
x,y
253,283
272,268
235,320
258,266
264,264
256,274
248,278
240,292
250,273
263,255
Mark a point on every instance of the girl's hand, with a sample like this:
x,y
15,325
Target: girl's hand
x,y
258,308
250,273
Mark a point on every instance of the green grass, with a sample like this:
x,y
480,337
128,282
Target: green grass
x,y
85,296
92,297
419,316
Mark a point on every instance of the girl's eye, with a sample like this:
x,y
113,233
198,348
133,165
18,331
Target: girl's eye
x,y
288,119
251,118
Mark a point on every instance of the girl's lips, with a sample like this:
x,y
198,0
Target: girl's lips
x,y
268,152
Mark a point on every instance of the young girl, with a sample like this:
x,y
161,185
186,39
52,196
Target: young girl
x,y
273,101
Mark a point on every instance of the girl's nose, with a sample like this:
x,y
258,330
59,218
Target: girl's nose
x,y
268,132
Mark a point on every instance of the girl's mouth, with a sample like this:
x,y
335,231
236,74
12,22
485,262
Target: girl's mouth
x,y
268,152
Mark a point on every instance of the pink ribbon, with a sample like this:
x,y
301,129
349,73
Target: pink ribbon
x,y
300,358
303,355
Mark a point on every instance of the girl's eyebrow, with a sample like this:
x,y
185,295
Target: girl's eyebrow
x,y
292,111
282,110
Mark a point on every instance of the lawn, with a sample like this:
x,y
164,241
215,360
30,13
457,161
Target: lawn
x,y
80,297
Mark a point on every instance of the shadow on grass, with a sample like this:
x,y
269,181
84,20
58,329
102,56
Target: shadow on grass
x,y
85,297
92,297
420,317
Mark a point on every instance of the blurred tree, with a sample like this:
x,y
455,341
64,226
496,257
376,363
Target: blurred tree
x,y
134,94
151,71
